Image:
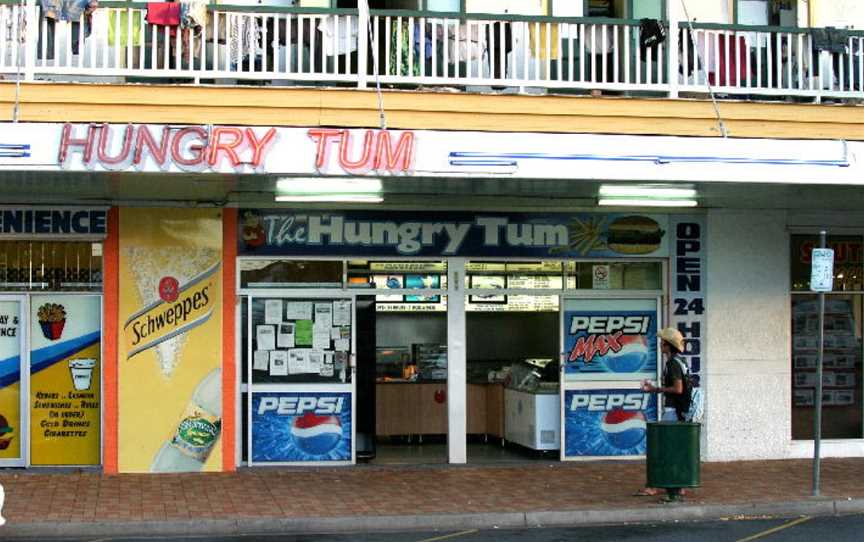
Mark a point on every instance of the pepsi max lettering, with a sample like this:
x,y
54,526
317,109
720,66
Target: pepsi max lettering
x,y
290,406
602,403
631,325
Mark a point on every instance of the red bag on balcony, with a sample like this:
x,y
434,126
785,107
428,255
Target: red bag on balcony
x,y
735,55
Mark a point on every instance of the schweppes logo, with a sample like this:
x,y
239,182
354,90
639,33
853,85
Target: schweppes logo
x,y
173,315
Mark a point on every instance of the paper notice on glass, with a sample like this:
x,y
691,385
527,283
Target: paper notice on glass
x,y
266,337
272,311
261,360
297,361
303,333
286,336
328,357
298,310
321,338
279,363
335,333
316,361
341,313
341,345
327,369
323,315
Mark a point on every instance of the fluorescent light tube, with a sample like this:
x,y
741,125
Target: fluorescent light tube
x,y
327,185
331,198
661,192
633,202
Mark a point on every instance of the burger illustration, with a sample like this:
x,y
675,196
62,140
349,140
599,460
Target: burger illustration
x,y
634,235
5,433
52,318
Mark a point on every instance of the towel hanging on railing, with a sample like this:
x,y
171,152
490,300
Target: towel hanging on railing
x,y
66,10
163,13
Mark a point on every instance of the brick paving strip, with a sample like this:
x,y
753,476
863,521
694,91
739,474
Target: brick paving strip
x,y
79,498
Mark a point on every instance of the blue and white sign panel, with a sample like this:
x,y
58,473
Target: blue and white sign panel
x,y
53,221
607,422
301,427
606,343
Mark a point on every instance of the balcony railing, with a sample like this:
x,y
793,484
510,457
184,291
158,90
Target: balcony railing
x,y
288,46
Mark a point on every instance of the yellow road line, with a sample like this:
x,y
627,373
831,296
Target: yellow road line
x,y
446,536
776,529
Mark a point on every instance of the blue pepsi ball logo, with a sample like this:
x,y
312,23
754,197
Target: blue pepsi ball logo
x,y
316,435
632,356
623,429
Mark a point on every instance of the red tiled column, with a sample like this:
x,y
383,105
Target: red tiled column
x,y
229,362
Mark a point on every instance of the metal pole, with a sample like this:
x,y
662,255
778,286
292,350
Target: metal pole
x,y
817,423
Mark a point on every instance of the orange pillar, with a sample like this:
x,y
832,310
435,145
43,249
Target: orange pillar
x,y
229,362
110,315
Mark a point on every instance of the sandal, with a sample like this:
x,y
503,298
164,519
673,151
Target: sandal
x,y
647,492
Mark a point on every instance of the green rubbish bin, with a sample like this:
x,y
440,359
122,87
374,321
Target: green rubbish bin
x,y
672,455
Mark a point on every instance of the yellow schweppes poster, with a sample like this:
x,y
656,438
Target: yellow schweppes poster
x,y
170,347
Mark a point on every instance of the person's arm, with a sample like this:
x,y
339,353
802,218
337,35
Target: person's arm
x,y
677,387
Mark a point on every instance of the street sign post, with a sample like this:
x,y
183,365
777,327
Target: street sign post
x,y
821,280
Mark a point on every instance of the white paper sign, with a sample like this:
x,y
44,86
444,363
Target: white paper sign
x,y
316,361
278,363
286,336
298,310
261,360
323,315
266,336
335,333
341,313
321,338
600,277
822,270
341,345
272,311
297,361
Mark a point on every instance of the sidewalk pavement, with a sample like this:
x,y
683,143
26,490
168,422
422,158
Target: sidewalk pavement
x,y
370,498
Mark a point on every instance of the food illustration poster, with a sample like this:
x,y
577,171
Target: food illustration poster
x,y
607,422
65,379
610,344
170,338
10,380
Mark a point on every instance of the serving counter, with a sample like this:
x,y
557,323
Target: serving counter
x,y
420,408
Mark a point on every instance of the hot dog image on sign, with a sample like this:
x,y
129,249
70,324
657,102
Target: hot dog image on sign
x,y
610,345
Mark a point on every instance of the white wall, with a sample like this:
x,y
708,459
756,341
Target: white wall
x,y
748,366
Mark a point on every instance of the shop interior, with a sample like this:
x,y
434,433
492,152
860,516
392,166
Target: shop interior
x,y
513,348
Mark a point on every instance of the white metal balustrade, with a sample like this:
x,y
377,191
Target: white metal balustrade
x,y
289,46
780,62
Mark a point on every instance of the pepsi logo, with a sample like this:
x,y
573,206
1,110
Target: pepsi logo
x,y
623,429
630,358
316,435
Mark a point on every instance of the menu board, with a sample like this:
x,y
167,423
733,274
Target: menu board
x,y
301,340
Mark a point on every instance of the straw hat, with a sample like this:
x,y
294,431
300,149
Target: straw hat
x,y
673,337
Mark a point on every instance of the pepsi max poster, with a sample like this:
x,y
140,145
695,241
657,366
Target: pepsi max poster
x,y
295,427
607,422
611,344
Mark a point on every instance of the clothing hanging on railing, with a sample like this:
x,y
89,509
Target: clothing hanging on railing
x,y
829,39
401,43
338,34
466,41
651,34
118,28
539,48
193,14
245,36
64,10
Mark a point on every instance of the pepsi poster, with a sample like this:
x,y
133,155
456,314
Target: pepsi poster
x,y
607,422
301,427
611,344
